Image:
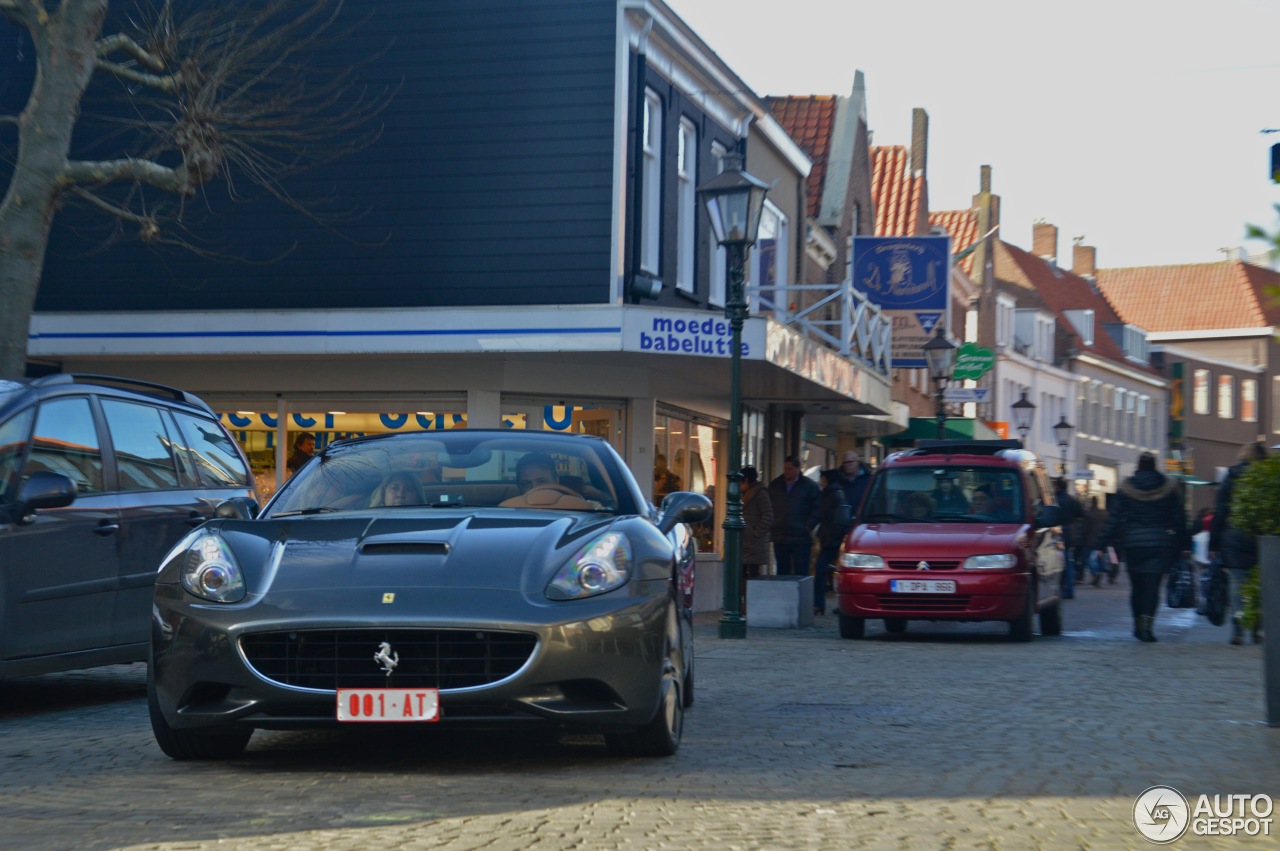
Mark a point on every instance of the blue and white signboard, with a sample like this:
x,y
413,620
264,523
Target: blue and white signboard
x,y
910,278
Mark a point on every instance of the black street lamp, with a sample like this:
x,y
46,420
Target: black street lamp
x,y
1062,431
1024,412
734,202
940,354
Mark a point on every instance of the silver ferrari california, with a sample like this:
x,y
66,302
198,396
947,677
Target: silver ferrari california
x,y
465,577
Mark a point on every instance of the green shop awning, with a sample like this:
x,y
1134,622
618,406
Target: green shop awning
x,y
958,428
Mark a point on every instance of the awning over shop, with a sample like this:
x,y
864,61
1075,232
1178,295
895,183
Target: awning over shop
x,y
957,428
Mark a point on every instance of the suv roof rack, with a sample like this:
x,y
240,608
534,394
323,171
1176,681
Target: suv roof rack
x,y
134,385
963,447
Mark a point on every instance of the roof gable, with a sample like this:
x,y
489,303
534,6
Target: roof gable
x,y
963,227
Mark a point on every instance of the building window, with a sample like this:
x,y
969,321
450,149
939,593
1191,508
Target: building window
x,y
769,258
1249,400
1004,320
1226,396
1200,391
687,205
1130,420
651,182
719,259
1146,425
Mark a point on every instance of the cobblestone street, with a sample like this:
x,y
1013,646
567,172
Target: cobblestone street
x,y
948,736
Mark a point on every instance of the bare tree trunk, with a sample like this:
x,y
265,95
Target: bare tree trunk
x,y
64,42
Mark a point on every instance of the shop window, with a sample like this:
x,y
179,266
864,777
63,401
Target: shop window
x,y
1249,400
1200,391
686,458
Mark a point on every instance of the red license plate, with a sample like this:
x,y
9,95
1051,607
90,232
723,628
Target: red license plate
x,y
388,704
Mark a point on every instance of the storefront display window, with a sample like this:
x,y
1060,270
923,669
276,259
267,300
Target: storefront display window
x,y
686,458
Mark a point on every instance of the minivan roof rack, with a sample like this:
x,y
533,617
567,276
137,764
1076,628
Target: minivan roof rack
x,y
146,388
964,447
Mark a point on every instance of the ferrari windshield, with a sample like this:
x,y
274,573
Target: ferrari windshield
x,y
462,468
946,493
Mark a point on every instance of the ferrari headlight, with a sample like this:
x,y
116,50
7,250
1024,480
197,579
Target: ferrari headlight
x,y
990,562
210,571
861,561
600,566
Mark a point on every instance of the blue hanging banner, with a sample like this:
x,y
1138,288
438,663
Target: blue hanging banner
x,y
909,277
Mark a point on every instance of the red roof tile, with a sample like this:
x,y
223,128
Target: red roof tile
x,y
897,194
1193,297
963,227
810,121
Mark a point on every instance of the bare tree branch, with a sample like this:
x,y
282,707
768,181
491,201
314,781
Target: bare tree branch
x,y
120,41
173,180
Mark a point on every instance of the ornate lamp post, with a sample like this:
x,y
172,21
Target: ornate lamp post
x,y
940,354
1062,431
1024,413
734,201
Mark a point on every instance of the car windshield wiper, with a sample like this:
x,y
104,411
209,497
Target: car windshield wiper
x,y
319,509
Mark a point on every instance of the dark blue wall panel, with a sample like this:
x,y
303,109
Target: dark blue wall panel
x,y
490,184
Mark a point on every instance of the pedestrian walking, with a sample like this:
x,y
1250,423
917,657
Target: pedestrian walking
x,y
835,520
853,476
1147,522
795,500
1096,561
757,514
1237,551
1072,514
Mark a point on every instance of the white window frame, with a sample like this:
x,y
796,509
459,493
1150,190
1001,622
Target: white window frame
x,y
1226,396
686,204
719,257
651,191
1005,307
1200,381
1248,400
773,221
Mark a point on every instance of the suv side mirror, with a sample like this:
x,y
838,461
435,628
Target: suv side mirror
x,y
683,507
45,489
1049,515
236,508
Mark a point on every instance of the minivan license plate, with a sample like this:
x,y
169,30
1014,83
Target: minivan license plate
x,y
388,704
922,586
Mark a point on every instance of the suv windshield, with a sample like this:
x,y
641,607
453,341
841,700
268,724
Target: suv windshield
x,y
945,492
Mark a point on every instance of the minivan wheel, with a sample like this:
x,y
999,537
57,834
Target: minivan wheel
x,y
851,627
895,625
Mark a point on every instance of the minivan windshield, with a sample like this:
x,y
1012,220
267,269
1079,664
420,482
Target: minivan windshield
x,y
944,493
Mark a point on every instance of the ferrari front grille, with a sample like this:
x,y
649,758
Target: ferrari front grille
x,y
358,658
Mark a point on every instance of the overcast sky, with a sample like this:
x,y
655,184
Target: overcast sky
x,y
1135,123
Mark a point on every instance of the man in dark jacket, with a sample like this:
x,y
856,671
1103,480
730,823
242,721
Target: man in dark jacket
x,y
853,477
796,501
1148,523
1071,515
1237,551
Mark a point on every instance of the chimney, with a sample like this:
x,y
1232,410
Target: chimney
x,y
1084,259
1044,241
919,142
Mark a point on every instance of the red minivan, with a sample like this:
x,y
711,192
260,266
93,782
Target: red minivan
x,y
955,530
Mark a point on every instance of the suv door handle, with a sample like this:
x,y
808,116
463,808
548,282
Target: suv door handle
x,y
195,519
106,528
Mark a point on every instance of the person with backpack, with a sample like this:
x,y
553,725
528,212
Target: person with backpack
x,y
1237,551
1073,514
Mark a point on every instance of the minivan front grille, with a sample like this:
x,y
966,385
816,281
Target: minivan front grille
x,y
914,564
426,658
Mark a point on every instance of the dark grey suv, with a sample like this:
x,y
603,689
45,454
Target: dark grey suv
x,y
99,478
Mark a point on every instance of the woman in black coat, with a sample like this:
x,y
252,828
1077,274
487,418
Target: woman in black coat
x,y
1237,550
1147,522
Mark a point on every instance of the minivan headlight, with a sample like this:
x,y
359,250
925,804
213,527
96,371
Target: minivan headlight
x,y
861,561
600,566
210,571
990,562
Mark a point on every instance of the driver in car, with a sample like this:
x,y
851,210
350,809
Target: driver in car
x,y
540,487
